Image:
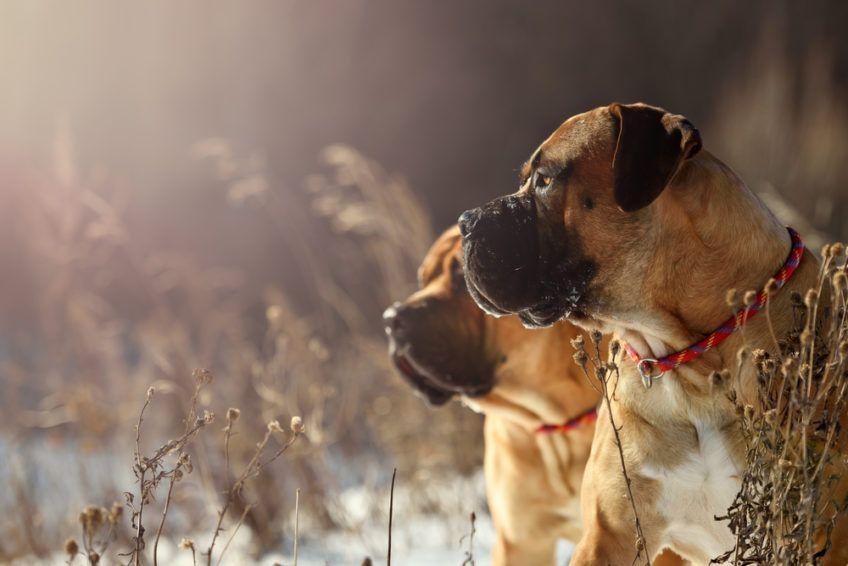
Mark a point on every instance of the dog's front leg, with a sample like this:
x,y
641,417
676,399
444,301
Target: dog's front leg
x,y
609,534
603,547
523,507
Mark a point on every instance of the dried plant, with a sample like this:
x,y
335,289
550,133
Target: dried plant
x,y
114,313
469,553
170,463
791,495
254,466
98,530
605,369
150,471
391,516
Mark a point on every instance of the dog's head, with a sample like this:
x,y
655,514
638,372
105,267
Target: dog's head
x,y
566,243
437,336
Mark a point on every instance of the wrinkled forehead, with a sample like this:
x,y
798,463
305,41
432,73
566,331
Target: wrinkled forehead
x,y
590,135
437,261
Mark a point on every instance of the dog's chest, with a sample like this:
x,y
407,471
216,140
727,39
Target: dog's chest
x,y
694,492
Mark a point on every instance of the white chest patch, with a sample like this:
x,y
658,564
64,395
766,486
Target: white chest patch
x,y
694,493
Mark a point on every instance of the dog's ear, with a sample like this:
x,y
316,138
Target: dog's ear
x,y
447,244
652,145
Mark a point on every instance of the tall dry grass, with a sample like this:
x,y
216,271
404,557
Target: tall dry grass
x,y
793,490
108,316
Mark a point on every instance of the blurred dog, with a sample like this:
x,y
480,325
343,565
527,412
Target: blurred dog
x,y
445,346
624,224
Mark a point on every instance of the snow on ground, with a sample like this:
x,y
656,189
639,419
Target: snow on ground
x,y
421,543
417,540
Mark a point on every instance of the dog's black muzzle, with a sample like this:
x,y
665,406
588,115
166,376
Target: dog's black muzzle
x,y
514,265
501,246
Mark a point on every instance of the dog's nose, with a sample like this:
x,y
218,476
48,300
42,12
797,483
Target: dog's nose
x,y
392,319
467,220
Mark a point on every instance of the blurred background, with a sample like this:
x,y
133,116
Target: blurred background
x,y
244,186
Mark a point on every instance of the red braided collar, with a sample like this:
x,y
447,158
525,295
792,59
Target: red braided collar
x,y
651,369
589,416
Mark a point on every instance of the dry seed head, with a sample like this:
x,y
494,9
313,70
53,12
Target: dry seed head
x,y
150,392
186,543
732,299
770,416
93,557
296,425
615,348
811,299
837,249
825,251
742,355
759,355
806,337
71,547
116,512
580,358
771,287
202,376
843,348
274,426
93,516
750,298
601,373
233,414
597,337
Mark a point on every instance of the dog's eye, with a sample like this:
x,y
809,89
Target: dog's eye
x,y
541,181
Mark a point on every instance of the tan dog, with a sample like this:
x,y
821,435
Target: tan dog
x,y
623,224
444,345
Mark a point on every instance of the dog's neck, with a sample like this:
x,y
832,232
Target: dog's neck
x,y
710,234
537,382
